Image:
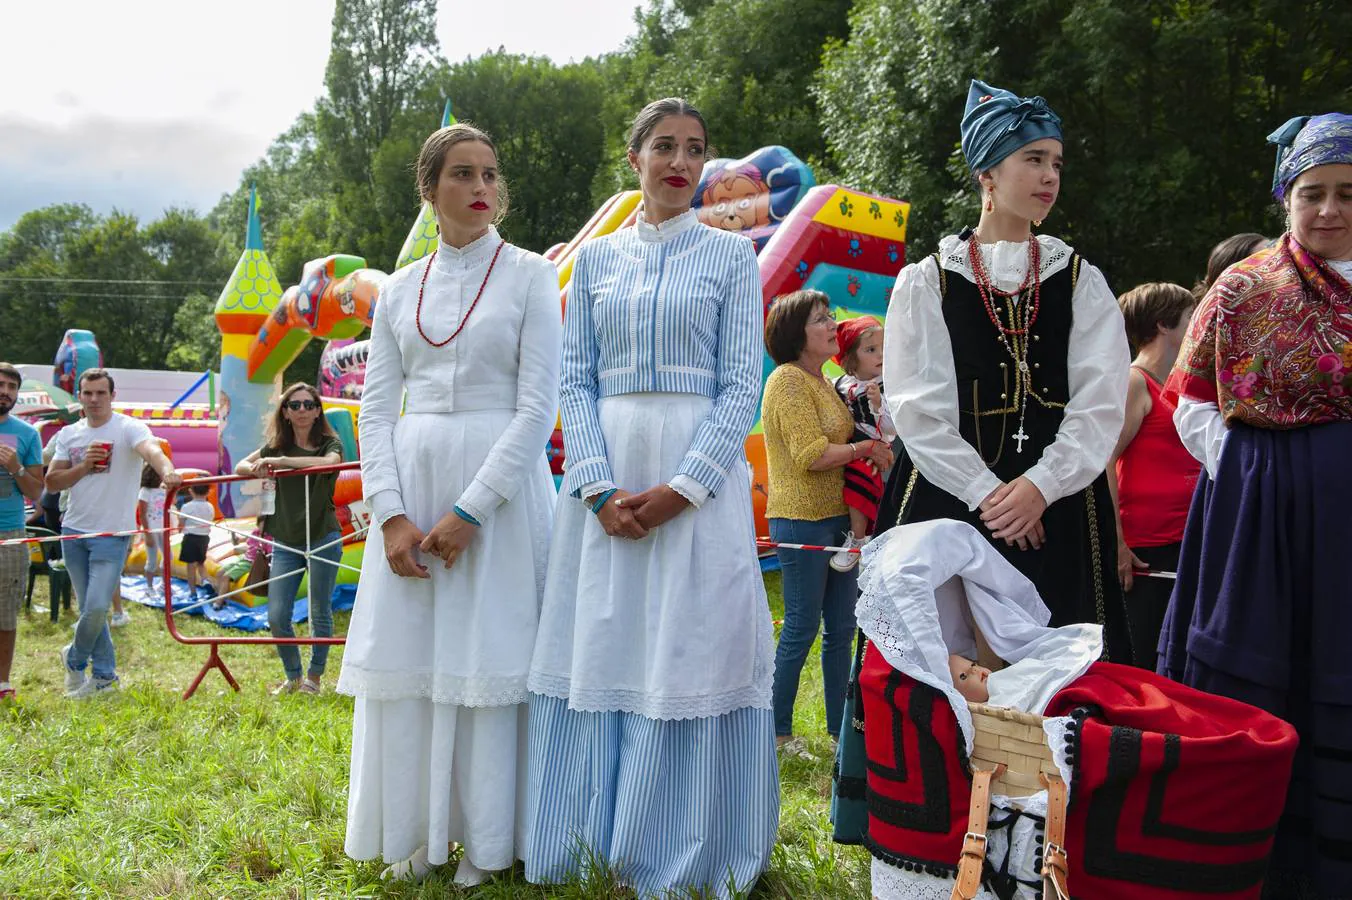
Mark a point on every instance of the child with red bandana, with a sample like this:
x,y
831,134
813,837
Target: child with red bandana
x,y
861,356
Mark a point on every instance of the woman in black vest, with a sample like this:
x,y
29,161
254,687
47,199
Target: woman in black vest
x,y
1006,365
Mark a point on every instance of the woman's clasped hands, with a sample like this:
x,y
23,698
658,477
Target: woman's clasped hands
x,y
447,540
632,516
1013,513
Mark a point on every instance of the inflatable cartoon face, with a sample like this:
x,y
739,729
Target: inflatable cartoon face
x,y
346,304
751,195
737,199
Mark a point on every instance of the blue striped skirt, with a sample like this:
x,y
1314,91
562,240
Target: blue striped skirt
x,y
668,805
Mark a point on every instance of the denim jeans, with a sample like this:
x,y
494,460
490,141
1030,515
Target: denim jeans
x,y
95,565
814,595
282,600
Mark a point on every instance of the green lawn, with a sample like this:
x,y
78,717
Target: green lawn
x,y
244,795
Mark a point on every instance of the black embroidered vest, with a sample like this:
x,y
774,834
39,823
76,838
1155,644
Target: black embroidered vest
x,y
989,393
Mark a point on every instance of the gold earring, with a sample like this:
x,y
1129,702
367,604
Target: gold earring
x,y
990,202
1037,223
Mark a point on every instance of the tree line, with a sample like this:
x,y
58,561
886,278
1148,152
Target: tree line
x,y
1165,105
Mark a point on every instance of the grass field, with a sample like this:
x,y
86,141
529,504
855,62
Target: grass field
x,y
244,795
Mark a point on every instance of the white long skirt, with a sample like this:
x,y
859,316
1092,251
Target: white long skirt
x,y
438,666
674,626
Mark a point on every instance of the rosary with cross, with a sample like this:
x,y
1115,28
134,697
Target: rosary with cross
x,y
1015,336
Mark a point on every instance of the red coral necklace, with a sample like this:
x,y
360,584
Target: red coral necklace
x,y
417,316
1013,337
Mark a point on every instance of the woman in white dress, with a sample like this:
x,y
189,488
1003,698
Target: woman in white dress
x,y
651,737
461,501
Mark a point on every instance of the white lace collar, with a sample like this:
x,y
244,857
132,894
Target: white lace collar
x,y
472,254
1007,261
668,230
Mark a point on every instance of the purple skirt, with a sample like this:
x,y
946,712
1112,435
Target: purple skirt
x,y
1262,612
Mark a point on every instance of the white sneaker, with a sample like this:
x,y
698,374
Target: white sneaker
x,y
74,680
842,561
117,620
94,687
795,747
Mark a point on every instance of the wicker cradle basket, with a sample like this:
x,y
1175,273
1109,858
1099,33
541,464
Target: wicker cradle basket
x,y
1015,740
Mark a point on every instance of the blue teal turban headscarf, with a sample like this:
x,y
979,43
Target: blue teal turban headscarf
x,y
1308,141
996,123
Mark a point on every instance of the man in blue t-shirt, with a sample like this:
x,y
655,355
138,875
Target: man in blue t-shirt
x,y
20,476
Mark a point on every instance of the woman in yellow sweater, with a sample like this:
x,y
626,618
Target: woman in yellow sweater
x,y
807,433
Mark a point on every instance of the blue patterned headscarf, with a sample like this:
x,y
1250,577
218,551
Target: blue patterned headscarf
x,y
1308,141
996,123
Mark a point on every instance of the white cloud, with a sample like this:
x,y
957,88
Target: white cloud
x,y
136,166
144,104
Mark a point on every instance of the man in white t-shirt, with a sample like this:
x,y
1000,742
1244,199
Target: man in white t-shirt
x,y
98,459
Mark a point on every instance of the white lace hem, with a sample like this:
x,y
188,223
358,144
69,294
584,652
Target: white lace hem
x,y
1057,729
457,690
891,883
701,706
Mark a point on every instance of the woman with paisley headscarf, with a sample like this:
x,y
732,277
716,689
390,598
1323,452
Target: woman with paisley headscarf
x,y
1009,360
1262,611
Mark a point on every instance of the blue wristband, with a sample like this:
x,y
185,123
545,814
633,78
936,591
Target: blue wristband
x,y
601,500
467,517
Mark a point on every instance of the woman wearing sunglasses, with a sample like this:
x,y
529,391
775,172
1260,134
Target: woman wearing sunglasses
x,y
298,436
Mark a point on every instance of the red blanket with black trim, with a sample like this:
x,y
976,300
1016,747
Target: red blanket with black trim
x,y
1176,792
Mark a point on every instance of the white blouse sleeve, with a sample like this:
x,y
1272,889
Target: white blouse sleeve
x,y
1202,430
922,388
522,443
1097,365
381,401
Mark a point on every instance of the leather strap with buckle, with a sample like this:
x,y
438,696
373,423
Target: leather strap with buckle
x,y
973,857
1055,870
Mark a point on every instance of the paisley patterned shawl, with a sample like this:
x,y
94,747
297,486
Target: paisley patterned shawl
x,y
1271,343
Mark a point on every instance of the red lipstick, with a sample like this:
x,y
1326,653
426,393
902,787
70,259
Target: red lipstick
x,y
479,205
676,181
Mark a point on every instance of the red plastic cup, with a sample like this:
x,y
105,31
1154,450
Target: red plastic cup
x,y
107,459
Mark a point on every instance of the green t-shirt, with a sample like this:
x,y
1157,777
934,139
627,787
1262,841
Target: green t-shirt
x,y
287,524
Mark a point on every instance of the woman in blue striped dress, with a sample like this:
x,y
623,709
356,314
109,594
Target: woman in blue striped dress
x,y
651,743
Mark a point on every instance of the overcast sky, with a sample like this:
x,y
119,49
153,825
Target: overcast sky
x,y
144,104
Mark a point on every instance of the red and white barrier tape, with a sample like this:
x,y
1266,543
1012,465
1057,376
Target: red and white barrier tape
x,y
77,537
767,544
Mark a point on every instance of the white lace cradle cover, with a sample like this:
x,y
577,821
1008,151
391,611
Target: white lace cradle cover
x,y
914,582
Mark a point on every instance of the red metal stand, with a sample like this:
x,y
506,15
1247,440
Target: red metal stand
x,y
214,661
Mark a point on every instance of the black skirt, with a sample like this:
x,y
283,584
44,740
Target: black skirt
x,y
1075,570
